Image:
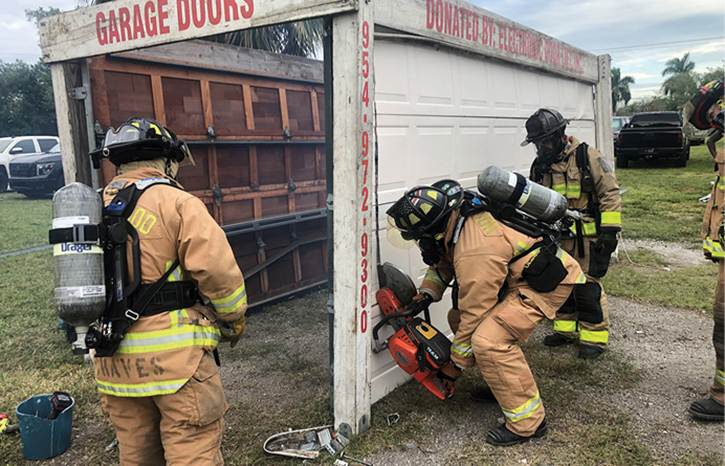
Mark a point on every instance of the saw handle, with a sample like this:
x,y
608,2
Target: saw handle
x,y
387,318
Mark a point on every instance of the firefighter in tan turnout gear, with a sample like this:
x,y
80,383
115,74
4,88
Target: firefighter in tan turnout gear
x,y
494,304
711,408
161,386
582,175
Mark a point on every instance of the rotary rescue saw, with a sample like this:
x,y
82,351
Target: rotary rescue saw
x,y
420,349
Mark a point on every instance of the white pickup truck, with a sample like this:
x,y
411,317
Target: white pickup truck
x,y
23,145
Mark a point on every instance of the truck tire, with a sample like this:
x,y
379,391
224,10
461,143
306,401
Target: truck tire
x,y
3,181
622,161
683,157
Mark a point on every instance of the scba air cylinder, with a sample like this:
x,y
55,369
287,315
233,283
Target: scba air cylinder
x,y
510,188
80,291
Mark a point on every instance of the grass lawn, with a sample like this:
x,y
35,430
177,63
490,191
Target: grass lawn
x,y
661,201
25,222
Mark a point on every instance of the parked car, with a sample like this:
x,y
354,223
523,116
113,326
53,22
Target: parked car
x,y
652,135
618,122
37,175
13,147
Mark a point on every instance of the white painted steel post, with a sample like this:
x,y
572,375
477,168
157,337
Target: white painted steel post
x,y
354,194
603,108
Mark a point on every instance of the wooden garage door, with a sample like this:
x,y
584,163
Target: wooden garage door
x,y
258,145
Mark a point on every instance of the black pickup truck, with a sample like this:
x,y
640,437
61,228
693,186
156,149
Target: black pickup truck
x,y
653,135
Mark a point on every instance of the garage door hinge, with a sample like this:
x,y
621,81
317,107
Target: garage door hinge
x,y
328,202
218,196
78,93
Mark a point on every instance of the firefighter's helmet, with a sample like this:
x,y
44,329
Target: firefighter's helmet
x,y
424,210
544,124
141,139
706,104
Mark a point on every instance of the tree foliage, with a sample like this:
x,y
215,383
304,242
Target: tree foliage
x,y
26,100
620,88
40,13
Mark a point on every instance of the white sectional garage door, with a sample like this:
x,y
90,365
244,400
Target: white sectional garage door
x,y
443,114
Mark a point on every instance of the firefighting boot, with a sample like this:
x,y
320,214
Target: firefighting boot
x,y
557,339
482,393
590,352
708,410
502,437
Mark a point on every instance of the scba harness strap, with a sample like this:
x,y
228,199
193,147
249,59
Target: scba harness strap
x,y
126,300
546,271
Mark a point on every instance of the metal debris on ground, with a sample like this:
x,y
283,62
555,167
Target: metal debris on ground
x,y
113,445
393,419
306,443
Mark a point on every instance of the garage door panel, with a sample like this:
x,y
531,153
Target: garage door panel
x,y
454,132
433,79
432,161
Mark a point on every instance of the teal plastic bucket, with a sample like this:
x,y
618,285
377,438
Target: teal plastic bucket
x,y
41,437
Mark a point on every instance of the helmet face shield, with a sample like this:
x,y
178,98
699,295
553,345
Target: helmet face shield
x,y
124,133
398,238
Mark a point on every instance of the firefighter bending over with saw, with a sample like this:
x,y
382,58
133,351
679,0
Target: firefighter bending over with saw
x,y
161,385
495,297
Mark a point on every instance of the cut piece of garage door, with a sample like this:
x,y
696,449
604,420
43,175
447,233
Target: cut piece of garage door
x,y
442,114
258,146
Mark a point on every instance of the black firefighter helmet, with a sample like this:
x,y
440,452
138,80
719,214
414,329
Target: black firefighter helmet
x,y
424,210
544,124
141,139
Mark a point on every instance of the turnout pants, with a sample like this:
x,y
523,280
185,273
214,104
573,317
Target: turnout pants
x,y
182,428
585,315
717,391
501,361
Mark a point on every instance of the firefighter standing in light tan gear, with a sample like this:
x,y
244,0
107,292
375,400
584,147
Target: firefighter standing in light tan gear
x,y
461,240
711,408
582,175
161,386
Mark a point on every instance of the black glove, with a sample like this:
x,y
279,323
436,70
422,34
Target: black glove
x,y
420,303
607,242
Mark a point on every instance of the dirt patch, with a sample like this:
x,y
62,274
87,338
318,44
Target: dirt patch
x,y
676,254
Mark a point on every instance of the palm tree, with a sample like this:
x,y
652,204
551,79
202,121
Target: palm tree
x,y
676,67
620,88
679,65
302,38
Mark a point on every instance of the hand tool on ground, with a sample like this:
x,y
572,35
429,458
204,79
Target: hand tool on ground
x,y
343,456
6,427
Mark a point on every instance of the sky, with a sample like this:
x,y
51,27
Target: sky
x,y
640,35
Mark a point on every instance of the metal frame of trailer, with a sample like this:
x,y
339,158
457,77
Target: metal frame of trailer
x,y
351,146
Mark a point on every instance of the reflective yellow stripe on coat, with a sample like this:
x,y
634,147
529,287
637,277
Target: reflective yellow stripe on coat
x,y
231,303
713,247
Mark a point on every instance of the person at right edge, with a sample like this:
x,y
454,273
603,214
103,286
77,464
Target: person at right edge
x,y
709,110
584,177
